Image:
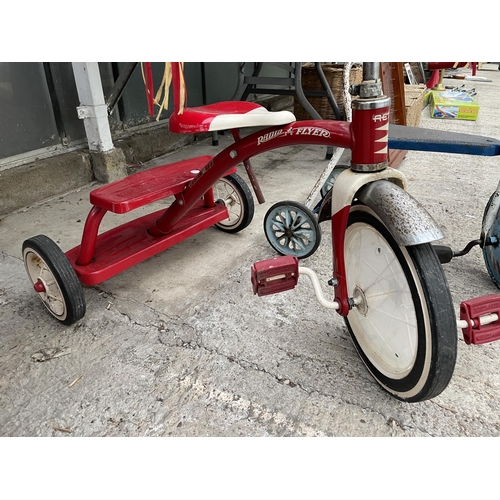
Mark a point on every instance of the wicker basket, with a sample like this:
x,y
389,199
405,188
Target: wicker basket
x,y
334,77
414,103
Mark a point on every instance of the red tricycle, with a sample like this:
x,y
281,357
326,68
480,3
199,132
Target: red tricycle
x,y
387,279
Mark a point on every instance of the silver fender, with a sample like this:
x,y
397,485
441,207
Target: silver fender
x,y
384,192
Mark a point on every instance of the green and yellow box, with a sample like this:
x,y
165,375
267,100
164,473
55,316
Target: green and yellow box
x,y
453,105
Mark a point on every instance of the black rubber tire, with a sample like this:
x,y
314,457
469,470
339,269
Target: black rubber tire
x,y
423,306
300,236
244,201
67,285
491,253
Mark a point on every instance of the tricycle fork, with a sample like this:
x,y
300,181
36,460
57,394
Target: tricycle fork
x,y
384,192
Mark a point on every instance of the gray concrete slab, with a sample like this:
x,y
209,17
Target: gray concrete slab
x,y
180,346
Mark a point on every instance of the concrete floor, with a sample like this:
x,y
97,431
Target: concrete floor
x,y
180,346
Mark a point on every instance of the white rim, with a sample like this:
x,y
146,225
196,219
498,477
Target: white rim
x,y
38,270
224,191
385,324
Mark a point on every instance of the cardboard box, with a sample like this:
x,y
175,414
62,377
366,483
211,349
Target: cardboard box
x,y
414,103
453,105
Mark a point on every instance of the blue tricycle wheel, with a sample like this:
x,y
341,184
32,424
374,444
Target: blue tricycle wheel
x,y
292,229
491,253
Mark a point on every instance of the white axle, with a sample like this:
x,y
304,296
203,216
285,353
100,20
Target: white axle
x,y
332,304
483,320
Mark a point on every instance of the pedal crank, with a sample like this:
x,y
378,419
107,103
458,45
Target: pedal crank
x,y
445,253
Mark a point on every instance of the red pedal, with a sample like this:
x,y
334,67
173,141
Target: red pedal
x,y
275,275
471,311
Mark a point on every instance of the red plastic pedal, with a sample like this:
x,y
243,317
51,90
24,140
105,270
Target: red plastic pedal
x,y
275,275
471,311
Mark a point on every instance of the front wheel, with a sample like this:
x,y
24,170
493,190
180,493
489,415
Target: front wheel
x,y
403,326
233,192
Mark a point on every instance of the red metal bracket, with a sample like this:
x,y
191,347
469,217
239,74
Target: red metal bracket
x,y
471,311
275,275
148,75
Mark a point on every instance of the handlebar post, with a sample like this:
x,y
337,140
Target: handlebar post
x,y
370,122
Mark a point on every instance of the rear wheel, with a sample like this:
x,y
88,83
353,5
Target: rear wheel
x,y
491,253
403,326
292,229
233,192
54,279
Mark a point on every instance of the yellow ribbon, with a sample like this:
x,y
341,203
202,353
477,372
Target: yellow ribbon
x,y
164,89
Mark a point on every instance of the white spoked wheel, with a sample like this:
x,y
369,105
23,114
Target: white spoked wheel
x,y
233,192
403,326
54,279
